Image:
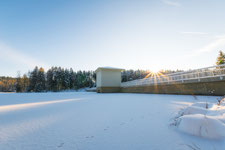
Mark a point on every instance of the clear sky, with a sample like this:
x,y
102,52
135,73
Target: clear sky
x,y
130,34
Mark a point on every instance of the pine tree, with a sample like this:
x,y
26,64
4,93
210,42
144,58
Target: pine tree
x,y
19,86
220,58
37,80
49,78
72,79
25,83
59,78
40,84
67,79
33,80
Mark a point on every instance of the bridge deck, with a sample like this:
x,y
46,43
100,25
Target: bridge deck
x,y
204,81
213,73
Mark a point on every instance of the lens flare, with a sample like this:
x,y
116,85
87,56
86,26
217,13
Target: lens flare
x,y
156,76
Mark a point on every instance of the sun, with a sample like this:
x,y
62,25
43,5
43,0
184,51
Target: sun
x,y
155,73
154,70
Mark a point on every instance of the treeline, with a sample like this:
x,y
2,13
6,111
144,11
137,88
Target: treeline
x,y
55,79
59,79
7,84
129,75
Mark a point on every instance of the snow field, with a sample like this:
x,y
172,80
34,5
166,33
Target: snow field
x,y
92,121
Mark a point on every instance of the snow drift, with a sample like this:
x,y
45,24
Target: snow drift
x,y
195,110
203,126
203,120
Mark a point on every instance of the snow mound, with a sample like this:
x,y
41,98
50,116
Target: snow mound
x,y
202,119
202,126
202,104
194,110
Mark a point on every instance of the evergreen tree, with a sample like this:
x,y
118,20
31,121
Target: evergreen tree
x,y
220,58
25,83
54,79
19,84
59,78
72,79
33,80
49,78
66,79
37,80
40,83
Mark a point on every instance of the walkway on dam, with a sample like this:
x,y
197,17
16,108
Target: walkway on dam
x,y
208,74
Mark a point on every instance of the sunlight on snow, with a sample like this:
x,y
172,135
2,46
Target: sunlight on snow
x,y
7,108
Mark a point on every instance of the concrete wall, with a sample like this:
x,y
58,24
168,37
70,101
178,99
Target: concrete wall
x,y
99,79
108,78
108,89
215,86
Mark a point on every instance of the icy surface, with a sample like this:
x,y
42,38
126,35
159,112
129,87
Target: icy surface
x,y
91,121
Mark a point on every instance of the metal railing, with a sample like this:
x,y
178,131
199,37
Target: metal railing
x,y
208,72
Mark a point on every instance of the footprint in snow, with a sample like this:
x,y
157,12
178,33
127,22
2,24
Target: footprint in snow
x,y
89,137
122,123
61,145
106,128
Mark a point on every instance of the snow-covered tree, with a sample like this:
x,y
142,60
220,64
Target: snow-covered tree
x,y
220,58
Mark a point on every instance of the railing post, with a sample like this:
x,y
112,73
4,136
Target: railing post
x,y
212,73
220,72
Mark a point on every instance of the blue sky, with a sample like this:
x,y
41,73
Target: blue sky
x,y
130,34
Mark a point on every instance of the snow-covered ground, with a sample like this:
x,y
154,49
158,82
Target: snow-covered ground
x,y
91,121
202,119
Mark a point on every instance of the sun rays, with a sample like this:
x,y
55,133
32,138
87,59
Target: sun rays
x,y
156,76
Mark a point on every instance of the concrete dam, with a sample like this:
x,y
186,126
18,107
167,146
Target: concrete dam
x,y
203,81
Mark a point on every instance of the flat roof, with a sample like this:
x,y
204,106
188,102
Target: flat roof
x,y
108,68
